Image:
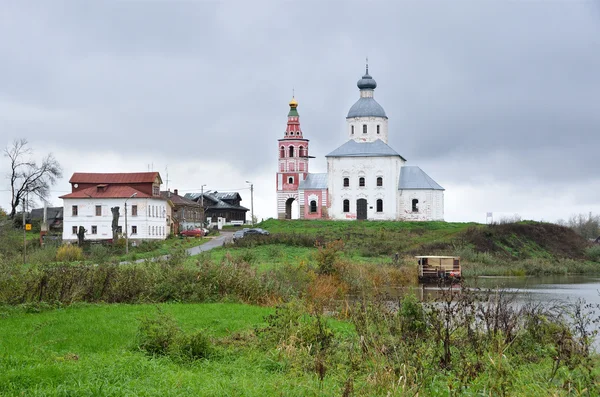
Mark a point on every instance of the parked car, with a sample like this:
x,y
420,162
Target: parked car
x,y
192,233
246,232
258,230
238,235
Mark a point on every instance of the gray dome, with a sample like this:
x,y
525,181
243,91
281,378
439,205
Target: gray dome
x,y
366,107
367,82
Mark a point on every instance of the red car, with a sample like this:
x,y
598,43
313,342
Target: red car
x,y
192,233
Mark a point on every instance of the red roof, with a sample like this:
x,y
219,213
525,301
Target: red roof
x,y
120,177
115,191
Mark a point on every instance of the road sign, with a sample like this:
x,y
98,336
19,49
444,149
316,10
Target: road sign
x,y
28,226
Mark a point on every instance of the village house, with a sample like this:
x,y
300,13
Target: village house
x,y
224,205
93,196
186,214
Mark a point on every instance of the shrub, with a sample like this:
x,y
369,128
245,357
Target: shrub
x,y
194,346
158,336
593,253
327,255
99,253
69,253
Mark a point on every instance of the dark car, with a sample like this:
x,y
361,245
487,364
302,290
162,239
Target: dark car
x,y
192,233
259,231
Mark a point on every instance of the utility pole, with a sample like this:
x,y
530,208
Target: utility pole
x,y
202,203
251,201
24,234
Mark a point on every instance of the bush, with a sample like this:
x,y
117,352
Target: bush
x,y
327,256
158,336
593,253
194,346
69,253
99,253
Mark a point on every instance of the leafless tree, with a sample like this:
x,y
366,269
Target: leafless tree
x,y
27,178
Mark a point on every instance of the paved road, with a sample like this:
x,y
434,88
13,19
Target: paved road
x,y
213,243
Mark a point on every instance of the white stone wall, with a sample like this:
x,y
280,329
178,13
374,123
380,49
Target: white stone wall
x,y
370,168
430,206
151,219
371,123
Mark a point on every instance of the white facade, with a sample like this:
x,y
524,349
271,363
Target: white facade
x,y
146,218
369,168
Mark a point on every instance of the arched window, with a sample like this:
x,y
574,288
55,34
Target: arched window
x,y
361,181
364,128
346,182
291,151
415,205
379,205
313,206
291,179
379,181
281,152
352,130
377,128
346,205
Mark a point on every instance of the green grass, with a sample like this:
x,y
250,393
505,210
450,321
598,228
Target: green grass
x,y
89,350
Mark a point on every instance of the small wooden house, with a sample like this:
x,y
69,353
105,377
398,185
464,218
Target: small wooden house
x,y
438,268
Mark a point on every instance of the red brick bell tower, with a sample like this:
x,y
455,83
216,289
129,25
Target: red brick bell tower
x,y
292,164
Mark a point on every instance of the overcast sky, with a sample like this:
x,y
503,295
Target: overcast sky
x,y
499,102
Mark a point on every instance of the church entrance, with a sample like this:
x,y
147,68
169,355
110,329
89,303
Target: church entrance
x,y
361,209
291,208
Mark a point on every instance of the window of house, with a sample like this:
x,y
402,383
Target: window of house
x,y
291,179
292,167
301,166
313,206
94,229
352,130
379,205
346,205
291,151
74,210
149,229
361,181
301,151
133,229
379,181
281,167
346,182
134,210
377,128
119,229
156,190
74,229
415,205
364,128
152,233
98,210
282,152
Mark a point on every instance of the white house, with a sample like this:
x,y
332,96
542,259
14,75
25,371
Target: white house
x,y
365,179
94,195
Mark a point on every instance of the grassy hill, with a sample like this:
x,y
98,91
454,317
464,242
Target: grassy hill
x,y
514,248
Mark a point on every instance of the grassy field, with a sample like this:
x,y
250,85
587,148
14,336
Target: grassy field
x,y
92,350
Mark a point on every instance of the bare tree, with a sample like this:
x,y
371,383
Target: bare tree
x,y
27,178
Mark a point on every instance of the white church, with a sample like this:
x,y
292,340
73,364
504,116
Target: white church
x,y
366,179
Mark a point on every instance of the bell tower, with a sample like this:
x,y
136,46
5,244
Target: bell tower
x,y
292,164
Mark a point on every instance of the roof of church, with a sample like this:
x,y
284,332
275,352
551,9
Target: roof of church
x,y
366,107
352,148
412,177
314,181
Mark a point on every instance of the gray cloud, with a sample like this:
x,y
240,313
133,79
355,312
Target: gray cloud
x,y
475,91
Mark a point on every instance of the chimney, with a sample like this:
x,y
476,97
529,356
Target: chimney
x,y
175,192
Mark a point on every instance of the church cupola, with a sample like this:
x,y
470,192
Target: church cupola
x,y
367,121
293,129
